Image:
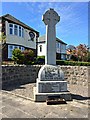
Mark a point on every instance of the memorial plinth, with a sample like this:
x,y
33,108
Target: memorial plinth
x,y
50,82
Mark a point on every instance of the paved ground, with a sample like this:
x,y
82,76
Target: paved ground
x,y
14,106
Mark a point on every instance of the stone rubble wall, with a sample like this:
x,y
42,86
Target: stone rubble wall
x,y
22,74
76,74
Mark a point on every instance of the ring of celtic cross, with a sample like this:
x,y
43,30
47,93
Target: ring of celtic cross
x,y
51,17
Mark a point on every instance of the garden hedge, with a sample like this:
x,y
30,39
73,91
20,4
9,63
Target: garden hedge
x,y
72,63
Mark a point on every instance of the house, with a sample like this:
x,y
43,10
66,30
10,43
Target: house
x,y
18,35
60,48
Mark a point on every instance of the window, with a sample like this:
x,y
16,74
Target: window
x,y
20,31
15,47
22,48
58,45
40,48
10,49
11,29
15,30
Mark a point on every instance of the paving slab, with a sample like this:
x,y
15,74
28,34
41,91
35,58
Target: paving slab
x,y
16,104
16,107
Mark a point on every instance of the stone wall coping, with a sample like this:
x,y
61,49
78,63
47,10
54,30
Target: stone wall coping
x,y
42,65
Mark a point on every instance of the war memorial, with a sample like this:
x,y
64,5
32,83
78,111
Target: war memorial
x,y
50,81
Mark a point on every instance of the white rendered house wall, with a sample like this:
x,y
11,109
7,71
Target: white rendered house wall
x,y
41,49
19,40
60,48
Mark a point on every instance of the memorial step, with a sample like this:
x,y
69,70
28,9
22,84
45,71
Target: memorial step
x,y
42,97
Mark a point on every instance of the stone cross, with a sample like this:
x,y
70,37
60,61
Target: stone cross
x,y
50,18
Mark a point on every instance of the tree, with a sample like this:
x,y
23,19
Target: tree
x,y
88,57
2,40
71,52
81,52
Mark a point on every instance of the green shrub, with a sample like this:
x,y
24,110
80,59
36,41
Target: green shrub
x,y
40,60
25,57
74,58
72,63
28,57
42,57
17,56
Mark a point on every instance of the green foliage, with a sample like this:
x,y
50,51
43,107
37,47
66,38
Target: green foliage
x,y
72,63
28,57
42,57
2,41
79,53
88,57
74,58
25,57
40,60
2,38
17,56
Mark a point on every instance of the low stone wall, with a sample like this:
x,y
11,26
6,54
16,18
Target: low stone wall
x,y
21,74
76,74
18,74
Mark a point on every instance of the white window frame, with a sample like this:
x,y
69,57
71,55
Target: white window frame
x,y
22,32
17,29
11,28
10,51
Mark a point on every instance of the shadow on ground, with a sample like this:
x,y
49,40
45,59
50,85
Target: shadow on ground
x,y
79,97
15,85
23,88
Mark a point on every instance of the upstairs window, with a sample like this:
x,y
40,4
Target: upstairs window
x,y
11,29
40,48
15,30
22,32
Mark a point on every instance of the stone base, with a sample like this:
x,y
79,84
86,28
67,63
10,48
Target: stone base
x,y
42,97
51,86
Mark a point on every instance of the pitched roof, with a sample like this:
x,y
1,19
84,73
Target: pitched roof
x,y
13,19
43,39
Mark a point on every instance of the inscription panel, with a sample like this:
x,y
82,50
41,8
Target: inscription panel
x,y
52,87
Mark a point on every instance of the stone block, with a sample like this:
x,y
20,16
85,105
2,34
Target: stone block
x,y
42,97
50,73
51,86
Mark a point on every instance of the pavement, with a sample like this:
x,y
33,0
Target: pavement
x,y
18,103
